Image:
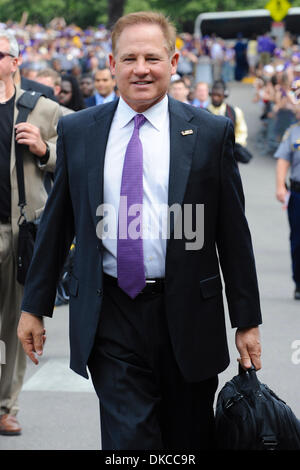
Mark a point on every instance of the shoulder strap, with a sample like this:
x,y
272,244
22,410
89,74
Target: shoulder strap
x,y
25,104
230,113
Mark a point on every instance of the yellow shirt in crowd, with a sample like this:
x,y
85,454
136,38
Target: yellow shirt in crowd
x,y
241,130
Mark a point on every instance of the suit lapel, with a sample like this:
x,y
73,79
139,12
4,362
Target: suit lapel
x,y
95,147
182,145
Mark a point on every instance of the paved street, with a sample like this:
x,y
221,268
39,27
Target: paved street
x,y
59,410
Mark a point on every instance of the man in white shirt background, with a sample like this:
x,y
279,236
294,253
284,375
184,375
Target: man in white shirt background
x,y
104,88
201,95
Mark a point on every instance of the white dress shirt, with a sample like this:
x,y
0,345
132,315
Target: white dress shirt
x,y
155,138
104,99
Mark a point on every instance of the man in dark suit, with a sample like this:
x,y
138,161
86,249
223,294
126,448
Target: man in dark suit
x,y
146,307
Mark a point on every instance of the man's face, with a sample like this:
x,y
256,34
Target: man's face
x,y
142,66
179,91
217,96
65,93
87,87
201,92
104,83
8,65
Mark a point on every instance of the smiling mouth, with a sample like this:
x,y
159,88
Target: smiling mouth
x,y
141,83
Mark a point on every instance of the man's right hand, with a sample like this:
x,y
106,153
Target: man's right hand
x,y
281,193
32,334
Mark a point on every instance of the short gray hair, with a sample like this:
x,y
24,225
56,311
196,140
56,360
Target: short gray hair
x,y
13,43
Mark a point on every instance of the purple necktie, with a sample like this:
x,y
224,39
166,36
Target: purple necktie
x,y
130,255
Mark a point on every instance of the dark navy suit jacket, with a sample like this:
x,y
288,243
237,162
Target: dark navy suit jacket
x,y
90,101
202,171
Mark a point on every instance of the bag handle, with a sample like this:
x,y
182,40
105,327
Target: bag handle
x,y
250,376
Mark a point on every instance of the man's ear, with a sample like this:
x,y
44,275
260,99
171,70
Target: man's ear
x,y
16,71
174,62
112,64
20,60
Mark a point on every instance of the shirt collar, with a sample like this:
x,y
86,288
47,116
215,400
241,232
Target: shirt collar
x,y
155,115
101,99
197,102
110,97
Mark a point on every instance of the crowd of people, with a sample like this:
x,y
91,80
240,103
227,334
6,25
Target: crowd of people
x,y
277,93
71,60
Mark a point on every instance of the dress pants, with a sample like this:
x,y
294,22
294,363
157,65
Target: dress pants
x,y
11,292
294,221
145,403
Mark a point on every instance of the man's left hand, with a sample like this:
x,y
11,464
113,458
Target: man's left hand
x,y
28,134
247,341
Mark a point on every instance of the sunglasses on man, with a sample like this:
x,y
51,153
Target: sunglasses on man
x,y
5,54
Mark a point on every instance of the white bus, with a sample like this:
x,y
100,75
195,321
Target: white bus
x,y
228,24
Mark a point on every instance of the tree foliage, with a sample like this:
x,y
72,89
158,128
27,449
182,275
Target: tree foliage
x,y
92,12
82,12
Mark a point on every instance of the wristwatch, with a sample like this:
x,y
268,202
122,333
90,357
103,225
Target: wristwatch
x,y
45,158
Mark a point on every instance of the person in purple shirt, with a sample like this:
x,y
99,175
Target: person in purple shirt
x,y
265,48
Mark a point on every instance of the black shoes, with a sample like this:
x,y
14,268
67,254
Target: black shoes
x,y
297,293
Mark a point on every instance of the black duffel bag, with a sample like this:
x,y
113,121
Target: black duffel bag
x,y
26,239
250,416
242,154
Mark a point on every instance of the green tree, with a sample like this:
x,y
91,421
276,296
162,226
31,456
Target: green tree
x,y
82,12
92,12
184,12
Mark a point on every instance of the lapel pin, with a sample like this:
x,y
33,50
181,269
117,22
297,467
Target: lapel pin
x,y
187,132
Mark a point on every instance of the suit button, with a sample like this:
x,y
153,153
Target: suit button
x,y
99,292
